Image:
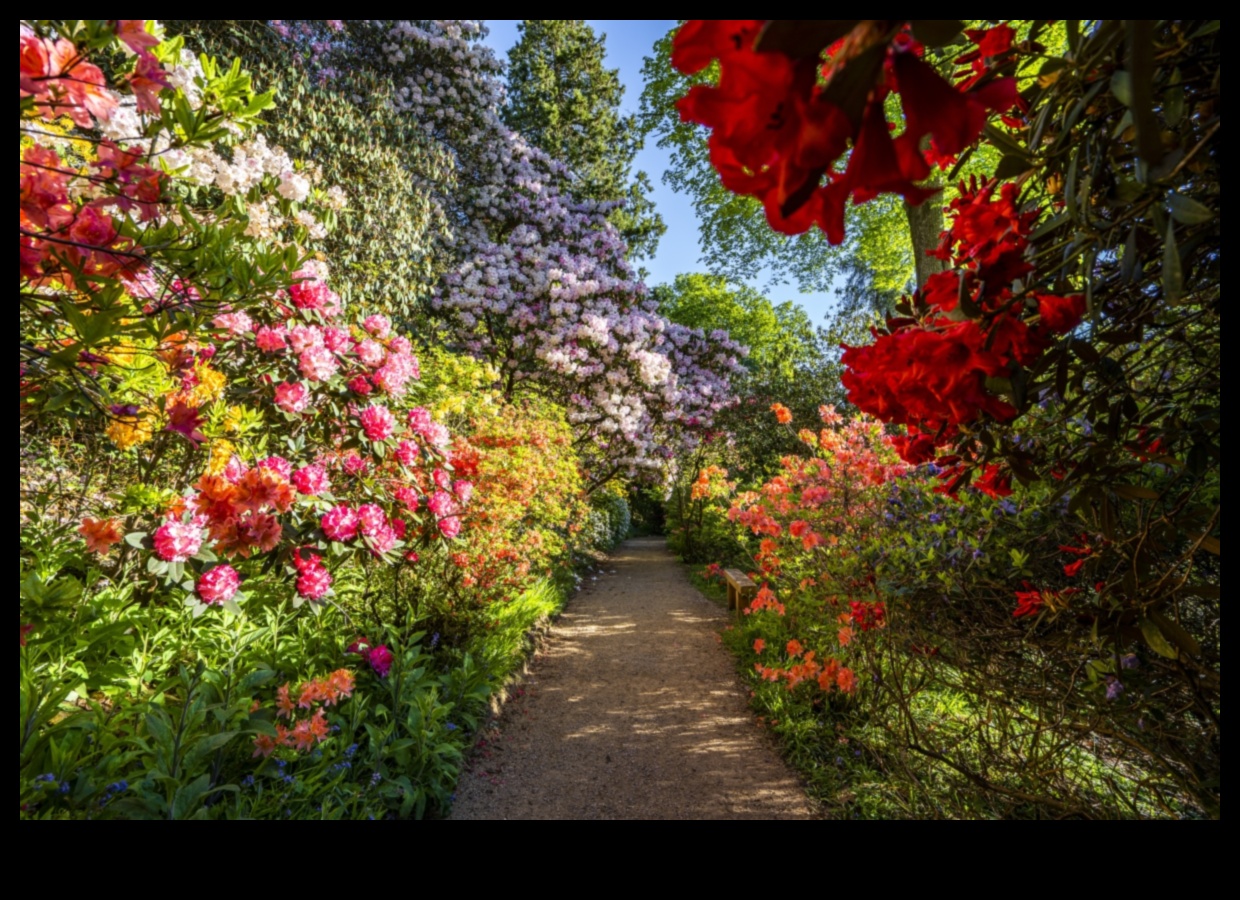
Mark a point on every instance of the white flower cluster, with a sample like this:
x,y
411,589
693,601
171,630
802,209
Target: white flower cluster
x,y
543,288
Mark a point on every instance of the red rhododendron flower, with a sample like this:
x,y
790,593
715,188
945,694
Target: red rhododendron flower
x,y
177,542
25,630
995,482
1061,314
1029,603
1072,570
271,340
218,586
341,524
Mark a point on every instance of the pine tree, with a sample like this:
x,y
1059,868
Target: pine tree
x,y
564,100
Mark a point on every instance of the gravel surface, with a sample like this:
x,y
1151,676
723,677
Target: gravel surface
x,y
632,711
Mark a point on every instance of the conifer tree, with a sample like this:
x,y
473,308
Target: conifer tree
x,y
564,99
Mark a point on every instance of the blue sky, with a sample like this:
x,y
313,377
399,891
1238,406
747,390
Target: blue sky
x,y
629,41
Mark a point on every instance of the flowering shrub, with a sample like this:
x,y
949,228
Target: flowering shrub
x,y
999,370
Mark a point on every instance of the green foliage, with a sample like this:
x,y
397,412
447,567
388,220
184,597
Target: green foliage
x,y
780,338
563,99
385,252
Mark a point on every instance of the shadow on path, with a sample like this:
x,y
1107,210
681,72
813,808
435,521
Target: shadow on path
x,y
633,712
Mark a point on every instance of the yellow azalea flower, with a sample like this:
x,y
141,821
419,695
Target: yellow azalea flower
x,y
127,432
210,387
221,452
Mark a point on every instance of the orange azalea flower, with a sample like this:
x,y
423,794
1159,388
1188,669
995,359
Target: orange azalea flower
x,y
319,728
759,646
284,705
847,681
795,649
264,746
782,413
301,738
311,693
101,535
341,683
846,636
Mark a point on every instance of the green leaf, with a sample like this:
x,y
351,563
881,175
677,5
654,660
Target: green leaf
x,y
188,796
936,32
1181,638
1013,166
1187,211
1157,642
1173,268
1135,492
1121,87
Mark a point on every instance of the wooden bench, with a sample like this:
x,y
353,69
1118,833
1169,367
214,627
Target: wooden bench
x,y
740,588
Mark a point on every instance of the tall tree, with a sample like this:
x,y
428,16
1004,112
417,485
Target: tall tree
x,y
564,99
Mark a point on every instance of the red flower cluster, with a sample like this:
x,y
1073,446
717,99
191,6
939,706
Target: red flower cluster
x,y
868,616
938,373
781,123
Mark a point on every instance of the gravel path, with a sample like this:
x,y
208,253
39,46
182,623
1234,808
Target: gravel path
x,y
633,711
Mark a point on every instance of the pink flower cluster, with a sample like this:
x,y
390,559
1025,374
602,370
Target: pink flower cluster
x,y
218,586
314,582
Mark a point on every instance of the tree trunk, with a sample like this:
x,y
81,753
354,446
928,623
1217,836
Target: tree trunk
x,y
925,224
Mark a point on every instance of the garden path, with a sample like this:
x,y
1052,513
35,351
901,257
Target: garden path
x,y
632,711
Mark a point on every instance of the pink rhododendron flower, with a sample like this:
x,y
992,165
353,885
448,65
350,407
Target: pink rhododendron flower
x,y
421,422
408,497
303,337
313,580
236,324
235,470
464,491
439,436
292,398
318,364
176,542
371,519
378,326
354,465
218,586
380,660
450,527
382,541
271,340
312,481
407,454
400,346
313,295
401,528
336,340
361,386
441,479
378,423
440,503
279,465
340,524
396,373
371,353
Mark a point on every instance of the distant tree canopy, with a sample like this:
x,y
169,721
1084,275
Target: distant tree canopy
x,y
780,337
564,99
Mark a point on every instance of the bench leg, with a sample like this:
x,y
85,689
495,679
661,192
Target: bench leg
x,y
731,597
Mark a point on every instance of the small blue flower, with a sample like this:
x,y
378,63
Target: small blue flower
x,y
375,779
248,781
351,752
46,779
1130,662
288,779
64,788
451,727
434,640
